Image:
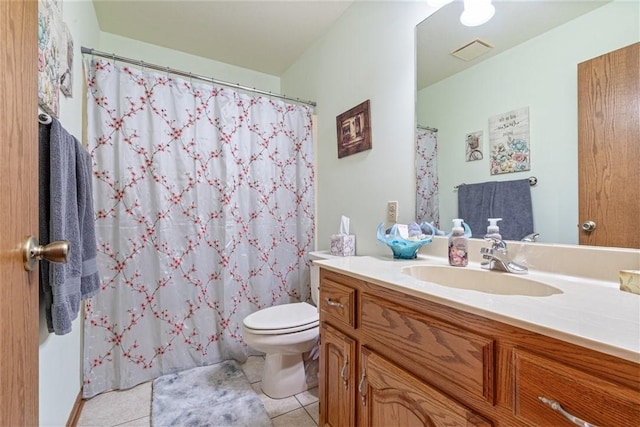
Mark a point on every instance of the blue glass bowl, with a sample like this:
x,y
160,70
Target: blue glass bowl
x,y
404,248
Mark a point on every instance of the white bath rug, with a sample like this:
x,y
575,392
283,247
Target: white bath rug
x,y
216,395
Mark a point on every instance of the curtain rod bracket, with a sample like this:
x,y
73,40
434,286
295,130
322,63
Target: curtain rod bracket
x,y
427,128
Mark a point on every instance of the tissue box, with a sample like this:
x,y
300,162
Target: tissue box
x,y
630,281
343,244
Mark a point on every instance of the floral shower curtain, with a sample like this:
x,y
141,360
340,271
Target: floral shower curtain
x,y
427,176
204,214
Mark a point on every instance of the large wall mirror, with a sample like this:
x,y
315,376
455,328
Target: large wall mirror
x,y
537,46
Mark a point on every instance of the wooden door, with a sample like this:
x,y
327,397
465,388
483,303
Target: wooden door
x,y
609,148
19,314
393,397
337,378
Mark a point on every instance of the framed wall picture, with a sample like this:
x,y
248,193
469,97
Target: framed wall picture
x,y
354,130
509,142
49,42
473,146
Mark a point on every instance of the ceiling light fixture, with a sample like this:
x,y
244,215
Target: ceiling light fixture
x,y
477,12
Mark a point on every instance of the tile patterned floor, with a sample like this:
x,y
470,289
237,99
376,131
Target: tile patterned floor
x,y
132,407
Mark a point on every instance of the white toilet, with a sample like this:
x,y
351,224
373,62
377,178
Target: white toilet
x,y
283,333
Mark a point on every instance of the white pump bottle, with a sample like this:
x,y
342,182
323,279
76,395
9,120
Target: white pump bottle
x,y
493,230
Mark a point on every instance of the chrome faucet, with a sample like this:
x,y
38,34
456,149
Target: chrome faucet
x,y
498,257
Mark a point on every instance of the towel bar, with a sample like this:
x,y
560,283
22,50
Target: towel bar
x,y
532,181
45,119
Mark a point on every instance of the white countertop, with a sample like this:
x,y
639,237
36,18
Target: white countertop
x,y
590,313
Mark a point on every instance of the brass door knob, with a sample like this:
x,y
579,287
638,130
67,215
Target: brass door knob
x,y
588,226
53,252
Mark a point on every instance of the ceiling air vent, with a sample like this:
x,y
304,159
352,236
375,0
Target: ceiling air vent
x,y
472,50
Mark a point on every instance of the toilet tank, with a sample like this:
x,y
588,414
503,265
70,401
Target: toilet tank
x,y
315,273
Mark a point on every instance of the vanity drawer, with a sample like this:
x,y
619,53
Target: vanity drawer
x,y
337,299
580,394
446,354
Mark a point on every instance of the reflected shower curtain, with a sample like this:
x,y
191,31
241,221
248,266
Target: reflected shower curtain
x,y
204,214
427,176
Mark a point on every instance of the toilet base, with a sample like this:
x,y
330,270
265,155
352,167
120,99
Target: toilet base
x,y
283,375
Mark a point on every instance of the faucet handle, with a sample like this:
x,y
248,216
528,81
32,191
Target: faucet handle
x,y
496,243
487,253
533,237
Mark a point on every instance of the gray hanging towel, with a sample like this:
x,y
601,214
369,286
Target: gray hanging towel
x,y
509,200
474,206
90,279
66,213
512,203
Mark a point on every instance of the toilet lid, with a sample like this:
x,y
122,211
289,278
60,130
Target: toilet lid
x,y
299,315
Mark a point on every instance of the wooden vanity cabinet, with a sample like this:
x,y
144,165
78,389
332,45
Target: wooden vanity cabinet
x,y
365,353
392,359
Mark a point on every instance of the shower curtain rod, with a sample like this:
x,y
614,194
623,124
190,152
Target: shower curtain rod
x,y
427,128
143,64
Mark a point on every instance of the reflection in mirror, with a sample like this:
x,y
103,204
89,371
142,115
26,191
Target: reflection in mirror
x,y
530,66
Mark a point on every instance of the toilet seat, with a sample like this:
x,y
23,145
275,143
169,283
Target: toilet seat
x,y
282,319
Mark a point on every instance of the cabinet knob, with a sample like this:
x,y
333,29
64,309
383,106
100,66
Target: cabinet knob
x,y
558,408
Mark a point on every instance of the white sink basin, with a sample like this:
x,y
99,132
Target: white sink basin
x,y
491,282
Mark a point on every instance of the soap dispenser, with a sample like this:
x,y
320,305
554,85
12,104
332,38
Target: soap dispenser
x,y
493,230
458,245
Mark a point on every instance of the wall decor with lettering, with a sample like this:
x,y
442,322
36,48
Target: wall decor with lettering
x,y
509,142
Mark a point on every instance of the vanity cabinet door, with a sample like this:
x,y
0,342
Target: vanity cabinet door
x,y
337,378
580,394
390,396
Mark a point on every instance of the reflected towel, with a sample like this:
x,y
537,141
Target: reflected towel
x,y
474,205
512,203
509,200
